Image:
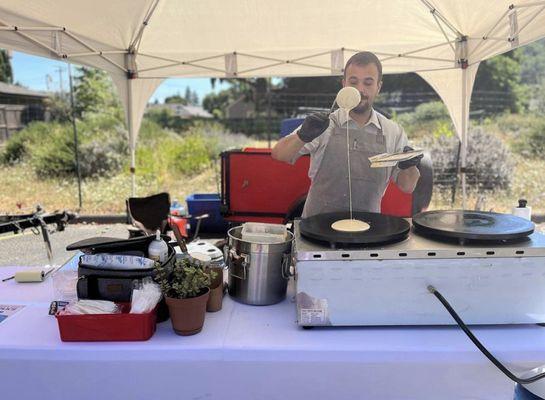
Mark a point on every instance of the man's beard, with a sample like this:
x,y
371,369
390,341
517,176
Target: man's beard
x,y
362,108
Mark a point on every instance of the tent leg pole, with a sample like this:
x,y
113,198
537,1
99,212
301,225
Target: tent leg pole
x,y
465,121
132,139
133,174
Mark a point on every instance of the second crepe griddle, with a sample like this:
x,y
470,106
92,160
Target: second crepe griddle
x,y
472,225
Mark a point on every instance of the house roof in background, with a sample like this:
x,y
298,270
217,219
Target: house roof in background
x,y
183,111
6,88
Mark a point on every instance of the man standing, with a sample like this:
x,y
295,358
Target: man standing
x,y
370,133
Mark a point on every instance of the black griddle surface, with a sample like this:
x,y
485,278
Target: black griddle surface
x,y
472,225
383,229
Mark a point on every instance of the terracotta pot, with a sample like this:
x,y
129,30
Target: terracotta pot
x,y
215,299
187,315
218,280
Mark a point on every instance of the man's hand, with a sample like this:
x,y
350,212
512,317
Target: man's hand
x,y
413,162
313,126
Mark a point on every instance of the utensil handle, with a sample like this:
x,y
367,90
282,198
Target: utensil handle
x,y
286,264
242,259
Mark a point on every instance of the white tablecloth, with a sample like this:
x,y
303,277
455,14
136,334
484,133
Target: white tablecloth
x,y
247,352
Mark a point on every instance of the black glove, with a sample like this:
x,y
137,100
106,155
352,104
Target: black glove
x,y
313,126
413,162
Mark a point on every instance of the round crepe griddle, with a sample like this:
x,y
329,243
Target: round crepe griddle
x,y
474,225
383,228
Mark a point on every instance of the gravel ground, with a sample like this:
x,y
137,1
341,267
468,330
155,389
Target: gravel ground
x,y
28,249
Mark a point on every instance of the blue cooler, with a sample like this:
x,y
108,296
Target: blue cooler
x,y
288,125
206,203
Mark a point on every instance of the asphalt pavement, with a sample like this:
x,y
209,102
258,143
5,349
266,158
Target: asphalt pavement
x,y
28,249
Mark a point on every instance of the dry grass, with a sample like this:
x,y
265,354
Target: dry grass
x,y
107,195
23,189
528,183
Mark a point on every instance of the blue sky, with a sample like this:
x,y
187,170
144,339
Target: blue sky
x,y
38,73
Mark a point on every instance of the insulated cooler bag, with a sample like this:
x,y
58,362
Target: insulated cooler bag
x,y
102,283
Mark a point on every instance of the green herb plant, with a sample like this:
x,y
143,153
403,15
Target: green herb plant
x,y
187,279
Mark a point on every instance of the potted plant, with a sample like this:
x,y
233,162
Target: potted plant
x,y
186,289
215,298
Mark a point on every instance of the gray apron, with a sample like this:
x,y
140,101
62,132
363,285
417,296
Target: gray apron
x,y
329,189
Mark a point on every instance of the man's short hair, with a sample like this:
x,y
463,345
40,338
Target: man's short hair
x,y
364,58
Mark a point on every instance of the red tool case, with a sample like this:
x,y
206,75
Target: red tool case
x,y
257,188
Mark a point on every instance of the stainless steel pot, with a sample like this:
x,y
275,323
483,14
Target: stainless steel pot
x,y
258,272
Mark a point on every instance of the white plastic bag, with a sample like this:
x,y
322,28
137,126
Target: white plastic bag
x,y
145,296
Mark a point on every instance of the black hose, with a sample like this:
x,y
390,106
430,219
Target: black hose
x,y
479,345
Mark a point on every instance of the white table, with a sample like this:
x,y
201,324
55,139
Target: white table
x,y
247,352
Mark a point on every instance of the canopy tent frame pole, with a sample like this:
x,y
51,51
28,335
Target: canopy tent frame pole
x,y
135,44
277,61
38,43
19,30
465,119
132,138
89,47
437,14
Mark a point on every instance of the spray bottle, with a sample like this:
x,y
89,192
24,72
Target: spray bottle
x,y
158,249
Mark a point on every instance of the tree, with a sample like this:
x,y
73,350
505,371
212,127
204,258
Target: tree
x,y
94,93
190,97
502,74
6,73
215,103
194,98
317,84
175,99
533,63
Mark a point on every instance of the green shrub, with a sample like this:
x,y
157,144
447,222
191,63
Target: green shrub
x,y
426,112
102,157
488,160
430,111
427,118
17,146
191,155
534,142
54,155
49,147
161,151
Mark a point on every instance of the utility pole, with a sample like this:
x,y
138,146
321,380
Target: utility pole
x,y
61,86
48,82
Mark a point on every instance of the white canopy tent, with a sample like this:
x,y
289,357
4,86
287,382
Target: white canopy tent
x,y
141,42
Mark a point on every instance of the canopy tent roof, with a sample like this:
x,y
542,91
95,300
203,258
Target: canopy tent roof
x,y
247,38
141,42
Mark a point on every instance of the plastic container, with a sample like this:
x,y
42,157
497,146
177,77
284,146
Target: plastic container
x,y
206,203
523,210
259,232
288,125
202,246
107,327
177,208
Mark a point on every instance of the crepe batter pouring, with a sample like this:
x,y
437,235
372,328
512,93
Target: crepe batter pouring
x,y
348,98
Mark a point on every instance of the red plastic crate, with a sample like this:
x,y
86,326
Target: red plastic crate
x,y
107,327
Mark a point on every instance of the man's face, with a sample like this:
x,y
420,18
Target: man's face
x,y
365,79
